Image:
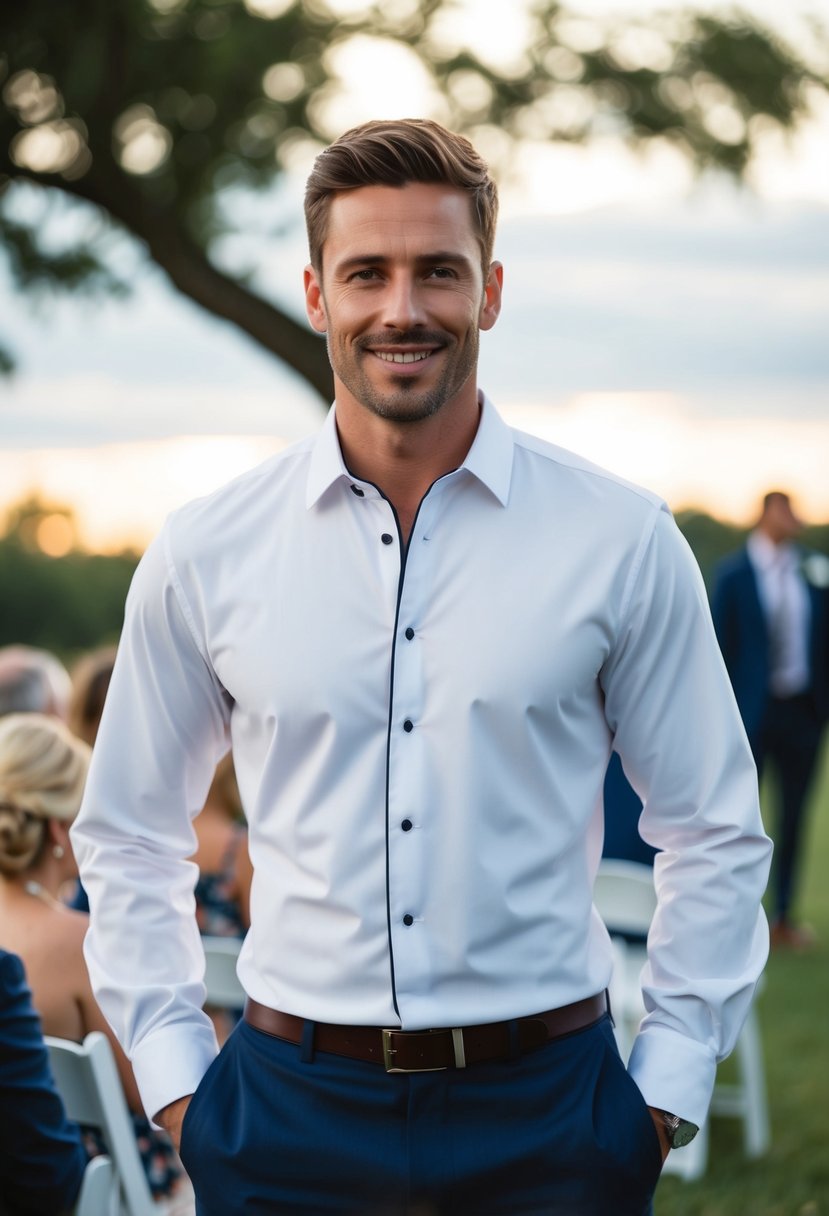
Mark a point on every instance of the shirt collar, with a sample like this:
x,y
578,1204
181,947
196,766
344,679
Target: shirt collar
x,y
489,459
766,555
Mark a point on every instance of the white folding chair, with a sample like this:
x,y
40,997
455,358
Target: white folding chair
x,y
626,900
96,1193
224,991
88,1082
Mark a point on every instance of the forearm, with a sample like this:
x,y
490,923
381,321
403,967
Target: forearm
x,y
163,728
684,749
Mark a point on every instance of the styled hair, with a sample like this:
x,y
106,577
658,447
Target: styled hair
x,y
775,496
43,770
394,153
33,681
90,683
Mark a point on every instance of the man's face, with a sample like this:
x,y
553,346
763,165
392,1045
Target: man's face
x,y
781,523
402,297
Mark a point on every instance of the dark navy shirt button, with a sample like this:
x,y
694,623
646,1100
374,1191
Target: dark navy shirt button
x,y
356,490
408,919
386,538
406,825
408,725
410,633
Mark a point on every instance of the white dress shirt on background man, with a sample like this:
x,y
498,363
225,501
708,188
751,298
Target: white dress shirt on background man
x,y
785,600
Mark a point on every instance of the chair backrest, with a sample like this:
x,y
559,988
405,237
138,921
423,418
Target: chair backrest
x,y
624,896
96,1194
89,1084
224,991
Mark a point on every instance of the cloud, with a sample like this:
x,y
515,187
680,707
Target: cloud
x,y
698,301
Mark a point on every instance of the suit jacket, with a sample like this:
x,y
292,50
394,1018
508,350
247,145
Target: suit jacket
x,y
742,630
42,1160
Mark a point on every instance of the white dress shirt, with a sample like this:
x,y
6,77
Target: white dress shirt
x,y
785,602
420,739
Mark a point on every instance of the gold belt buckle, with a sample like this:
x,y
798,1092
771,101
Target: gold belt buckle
x,y
390,1051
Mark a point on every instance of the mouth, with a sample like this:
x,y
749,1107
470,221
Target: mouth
x,y
409,356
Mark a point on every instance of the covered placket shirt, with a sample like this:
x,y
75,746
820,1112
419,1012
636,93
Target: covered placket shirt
x,y
420,733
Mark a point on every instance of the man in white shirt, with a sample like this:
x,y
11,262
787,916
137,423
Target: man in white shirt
x,y
422,633
771,613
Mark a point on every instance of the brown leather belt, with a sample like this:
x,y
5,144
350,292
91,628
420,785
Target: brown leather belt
x,y
431,1050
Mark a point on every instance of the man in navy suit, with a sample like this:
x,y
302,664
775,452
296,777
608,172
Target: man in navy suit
x,y
771,613
42,1161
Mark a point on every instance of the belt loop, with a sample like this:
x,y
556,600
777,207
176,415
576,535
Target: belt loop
x,y
306,1048
514,1039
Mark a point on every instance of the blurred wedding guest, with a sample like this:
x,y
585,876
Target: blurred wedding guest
x,y
90,681
43,769
42,1159
33,681
222,891
622,811
223,887
771,614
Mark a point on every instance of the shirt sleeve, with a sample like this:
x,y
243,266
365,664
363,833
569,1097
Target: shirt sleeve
x,y
164,727
670,705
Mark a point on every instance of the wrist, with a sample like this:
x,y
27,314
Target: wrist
x,y
678,1131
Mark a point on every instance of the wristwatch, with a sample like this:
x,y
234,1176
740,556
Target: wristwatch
x,y
680,1131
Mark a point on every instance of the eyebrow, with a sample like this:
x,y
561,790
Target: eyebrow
x,y
439,257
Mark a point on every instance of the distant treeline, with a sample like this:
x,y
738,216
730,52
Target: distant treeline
x,y
73,603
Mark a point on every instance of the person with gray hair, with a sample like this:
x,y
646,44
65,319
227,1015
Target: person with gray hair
x,y
33,681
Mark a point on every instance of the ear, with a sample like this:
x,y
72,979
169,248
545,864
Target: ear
x,y
314,301
491,306
58,836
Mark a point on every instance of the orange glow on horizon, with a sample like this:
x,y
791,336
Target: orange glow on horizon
x,y
121,493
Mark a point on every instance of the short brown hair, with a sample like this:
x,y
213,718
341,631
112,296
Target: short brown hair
x,y
392,153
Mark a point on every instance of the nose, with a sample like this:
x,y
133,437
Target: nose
x,y
403,304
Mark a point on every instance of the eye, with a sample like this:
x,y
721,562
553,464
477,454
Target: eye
x,y
365,275
442,272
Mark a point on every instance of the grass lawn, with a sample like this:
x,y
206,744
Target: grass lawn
x,y
793,1179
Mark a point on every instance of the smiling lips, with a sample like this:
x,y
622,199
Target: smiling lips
x,y
403,357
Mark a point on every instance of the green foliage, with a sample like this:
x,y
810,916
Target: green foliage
x,y
37,269
67,604
74,602
152,110
709,538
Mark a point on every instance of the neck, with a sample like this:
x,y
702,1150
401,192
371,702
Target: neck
x,y
405,458
32,887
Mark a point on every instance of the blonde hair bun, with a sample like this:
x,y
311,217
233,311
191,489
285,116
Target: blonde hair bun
x,y
43,770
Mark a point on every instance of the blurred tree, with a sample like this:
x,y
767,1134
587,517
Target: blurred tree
x,y
152,110
710,539
75,602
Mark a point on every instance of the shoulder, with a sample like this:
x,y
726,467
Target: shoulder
x,y
215,531
63,938
586,505
815,567
733,567
578,475
253,496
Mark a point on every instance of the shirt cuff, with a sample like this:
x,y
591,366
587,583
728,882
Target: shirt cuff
x,y
170,1063
674,1073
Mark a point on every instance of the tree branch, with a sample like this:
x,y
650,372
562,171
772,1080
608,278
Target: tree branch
x,y
193,274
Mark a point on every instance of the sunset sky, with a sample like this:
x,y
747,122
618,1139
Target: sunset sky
x,y
675,332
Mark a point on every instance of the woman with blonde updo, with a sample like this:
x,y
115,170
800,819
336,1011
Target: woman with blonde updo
x,y
43,769
42,773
